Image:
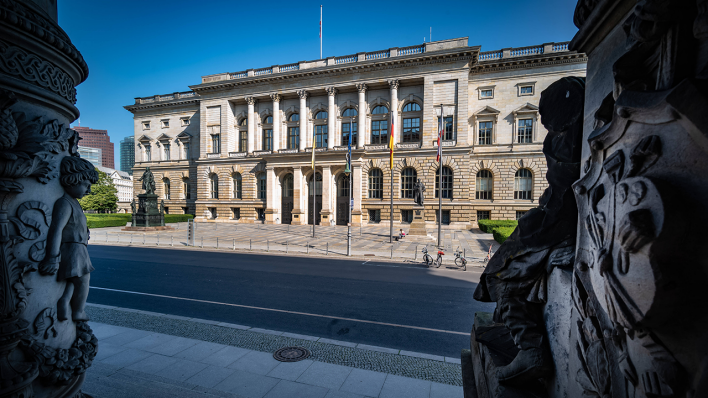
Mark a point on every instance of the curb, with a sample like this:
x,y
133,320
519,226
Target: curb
x,y
287,334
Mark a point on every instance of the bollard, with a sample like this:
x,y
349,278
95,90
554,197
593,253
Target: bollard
x,y
308,247
391,251
131,238
202,246
107,237
217,242
234,245
158,240
267,245
327,254
286,245
143,238
464,253
416,253
250,245
172,240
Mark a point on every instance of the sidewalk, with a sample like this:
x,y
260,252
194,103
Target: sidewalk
x,y
369,241
144,354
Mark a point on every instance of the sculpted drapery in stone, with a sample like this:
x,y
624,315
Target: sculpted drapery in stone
x,y
515,277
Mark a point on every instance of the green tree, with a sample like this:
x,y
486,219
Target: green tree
x,y
103,195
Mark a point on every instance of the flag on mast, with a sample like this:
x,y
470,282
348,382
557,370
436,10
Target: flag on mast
x,y
440,136
320,31
390,143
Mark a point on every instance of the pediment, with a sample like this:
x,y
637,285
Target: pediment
x,y
144,138
184,136
164,137
487,110
527,108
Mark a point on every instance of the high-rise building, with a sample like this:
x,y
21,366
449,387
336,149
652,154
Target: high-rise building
x,y
127,154
97,139
93,155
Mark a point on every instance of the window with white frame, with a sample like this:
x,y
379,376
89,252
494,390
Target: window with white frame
x,y
165,123
523,184
408,179
293,131
166,188
146,125
216,143
486,92
214,186
379,125
166,151
349,123
449,126
321,129
447,178
238,186
261,185
375,184
525,90
186,190
148,153
184,121
185,150
524,133
267,144
411,115
485,133
484,184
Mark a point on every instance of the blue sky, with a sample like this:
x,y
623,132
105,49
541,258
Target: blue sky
x,y
142,48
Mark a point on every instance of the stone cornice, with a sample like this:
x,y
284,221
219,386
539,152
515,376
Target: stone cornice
x,y
526,62
153,105
468,53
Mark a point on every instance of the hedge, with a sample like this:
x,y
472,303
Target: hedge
x,y
501,233
119,220
488,225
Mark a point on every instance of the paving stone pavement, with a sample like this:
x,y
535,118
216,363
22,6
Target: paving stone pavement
x,y
145,361
371,240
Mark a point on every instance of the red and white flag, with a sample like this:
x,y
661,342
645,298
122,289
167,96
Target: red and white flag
x,y
440,140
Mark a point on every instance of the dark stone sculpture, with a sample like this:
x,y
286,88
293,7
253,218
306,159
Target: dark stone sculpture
x,y
630,318
418,189
41,355
148,182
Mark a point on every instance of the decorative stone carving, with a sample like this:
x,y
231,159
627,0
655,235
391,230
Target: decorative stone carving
x,y
302,94
361,87
331,91
275,97
393,84
251,100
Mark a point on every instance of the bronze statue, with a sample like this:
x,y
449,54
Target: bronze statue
x,y
515,277
148,181
418,189
132,206
66,252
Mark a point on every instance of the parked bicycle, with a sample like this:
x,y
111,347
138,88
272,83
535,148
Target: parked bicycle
x,y
460,261
427,258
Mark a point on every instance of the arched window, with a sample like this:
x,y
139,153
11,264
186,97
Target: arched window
x,y
186,188
166,183
408,178
349,122
379,125
446,182
238,186
288,191
321,132
293,131
411,123
244,122
261,185
243,136
523,182
484,184
214,186
375,184
343,186
267,143
411,107
318,187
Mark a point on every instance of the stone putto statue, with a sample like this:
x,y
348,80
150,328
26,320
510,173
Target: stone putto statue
x,y
418,190
148,182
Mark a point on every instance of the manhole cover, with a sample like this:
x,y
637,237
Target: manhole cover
x,y
291,354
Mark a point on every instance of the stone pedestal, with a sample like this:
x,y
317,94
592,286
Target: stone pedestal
x,y
418,225
149,217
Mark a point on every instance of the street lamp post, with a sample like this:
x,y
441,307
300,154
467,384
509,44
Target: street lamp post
x,y
445,110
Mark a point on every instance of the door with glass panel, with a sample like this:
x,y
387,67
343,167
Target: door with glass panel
x,y
343,197
287,199
310,209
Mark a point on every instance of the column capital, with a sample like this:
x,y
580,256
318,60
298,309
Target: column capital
x,y
394,84
251,100
361,87
331,91
302,94
275,97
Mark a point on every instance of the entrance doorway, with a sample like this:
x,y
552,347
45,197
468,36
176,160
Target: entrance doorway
x,y
287,199
343,196
318,193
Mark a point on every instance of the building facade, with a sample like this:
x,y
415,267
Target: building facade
x,y
93,138
93,155
124,184
127,154
238,147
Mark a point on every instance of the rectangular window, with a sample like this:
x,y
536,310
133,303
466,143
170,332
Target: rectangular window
x,y
375,216
379,132
482,215
216,143
411,130
212,210
146,125
407,216
185,147
165,123
519,214
186,189
185,121
268,139
445,216
486,93
293,137
321,136
260,212
526,90
148,153
185,210
243,141
525,131
449,134
236,213
485,133
345,134
167,151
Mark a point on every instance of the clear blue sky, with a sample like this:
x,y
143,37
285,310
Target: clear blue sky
x,y
142,48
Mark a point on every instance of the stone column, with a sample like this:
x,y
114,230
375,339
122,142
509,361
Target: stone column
x,y
38,75
331,118
272,207
326,213
357,194
304,139
251,124
394,110
361,125
299,193
276,121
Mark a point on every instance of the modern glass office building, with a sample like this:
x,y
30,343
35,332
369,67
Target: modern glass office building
x,y
127,154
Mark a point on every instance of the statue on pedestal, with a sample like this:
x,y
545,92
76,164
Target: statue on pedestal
x,y
148,182
418,189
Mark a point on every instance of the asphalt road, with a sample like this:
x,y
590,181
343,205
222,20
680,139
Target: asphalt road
x,y
402,306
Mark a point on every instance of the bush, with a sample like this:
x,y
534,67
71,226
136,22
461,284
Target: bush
x,y
502,233
119,220
488,225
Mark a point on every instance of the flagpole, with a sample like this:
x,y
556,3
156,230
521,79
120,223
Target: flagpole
x,y
351,191
320,31
314,183
390,234
440,140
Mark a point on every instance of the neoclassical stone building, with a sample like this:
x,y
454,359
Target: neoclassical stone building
x,y
238,147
